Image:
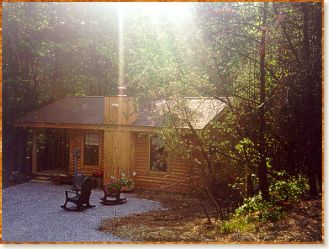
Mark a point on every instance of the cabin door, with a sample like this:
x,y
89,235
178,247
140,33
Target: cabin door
x,y
53,150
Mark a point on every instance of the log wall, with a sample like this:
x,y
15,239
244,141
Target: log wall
x,y
77,141
118,154
175,179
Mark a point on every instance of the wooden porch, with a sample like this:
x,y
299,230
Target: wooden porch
x,y
57,176
49,152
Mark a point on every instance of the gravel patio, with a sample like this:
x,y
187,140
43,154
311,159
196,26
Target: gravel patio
x,y
31,212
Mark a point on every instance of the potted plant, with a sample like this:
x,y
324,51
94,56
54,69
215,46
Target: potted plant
x,y
114,189
116,186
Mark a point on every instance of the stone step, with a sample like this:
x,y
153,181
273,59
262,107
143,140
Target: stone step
x,y
41,177
42,180
34,175
45,179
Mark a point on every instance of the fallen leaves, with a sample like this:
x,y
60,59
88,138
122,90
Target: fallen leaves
x,y
183,221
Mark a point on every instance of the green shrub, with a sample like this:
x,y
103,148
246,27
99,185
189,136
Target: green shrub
x,y
237,224
272,214
252,204
288,188
259,209
283,188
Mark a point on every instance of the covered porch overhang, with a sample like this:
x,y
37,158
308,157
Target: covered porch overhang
x,y
49,151
61,160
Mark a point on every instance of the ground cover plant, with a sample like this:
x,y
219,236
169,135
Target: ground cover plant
x,y
184,221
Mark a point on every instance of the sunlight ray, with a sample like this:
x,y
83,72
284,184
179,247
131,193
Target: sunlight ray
x,y
121,47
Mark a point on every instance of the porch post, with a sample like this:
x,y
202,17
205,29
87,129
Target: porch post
x,y
34,151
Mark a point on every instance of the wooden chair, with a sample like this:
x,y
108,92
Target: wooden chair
x,y
116,199
81,198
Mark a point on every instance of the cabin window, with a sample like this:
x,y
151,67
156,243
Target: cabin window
x,y
91,149
158,154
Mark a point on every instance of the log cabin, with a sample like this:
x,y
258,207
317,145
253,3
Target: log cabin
x,y
110,135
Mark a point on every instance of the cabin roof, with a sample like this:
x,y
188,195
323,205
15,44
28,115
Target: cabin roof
x,y
90,111
69,110
199,111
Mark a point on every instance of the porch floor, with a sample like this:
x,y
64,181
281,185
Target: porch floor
x,y
51,172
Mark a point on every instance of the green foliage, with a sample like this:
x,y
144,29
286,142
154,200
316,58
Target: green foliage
x,y
247,148
258,209
253,210
283,188
288,188
237,224
252,204
116,185
273,213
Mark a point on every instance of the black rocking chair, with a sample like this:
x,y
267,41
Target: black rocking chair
x,y
78,181
116,199
81,198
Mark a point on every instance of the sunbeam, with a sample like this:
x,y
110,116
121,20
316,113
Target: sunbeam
x,y
173,11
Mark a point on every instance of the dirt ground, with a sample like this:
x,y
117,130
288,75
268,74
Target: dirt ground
x,y
184,221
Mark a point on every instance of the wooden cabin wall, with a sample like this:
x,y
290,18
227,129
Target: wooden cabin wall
x,y
180,172
77,141
119,110
176,179
118,157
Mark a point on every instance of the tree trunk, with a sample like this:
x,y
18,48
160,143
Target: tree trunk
x,y
309,80
262,170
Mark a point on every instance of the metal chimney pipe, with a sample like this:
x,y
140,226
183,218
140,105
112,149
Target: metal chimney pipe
x,y
122,91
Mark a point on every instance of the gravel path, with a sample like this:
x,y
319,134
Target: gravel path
x,y
31,212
